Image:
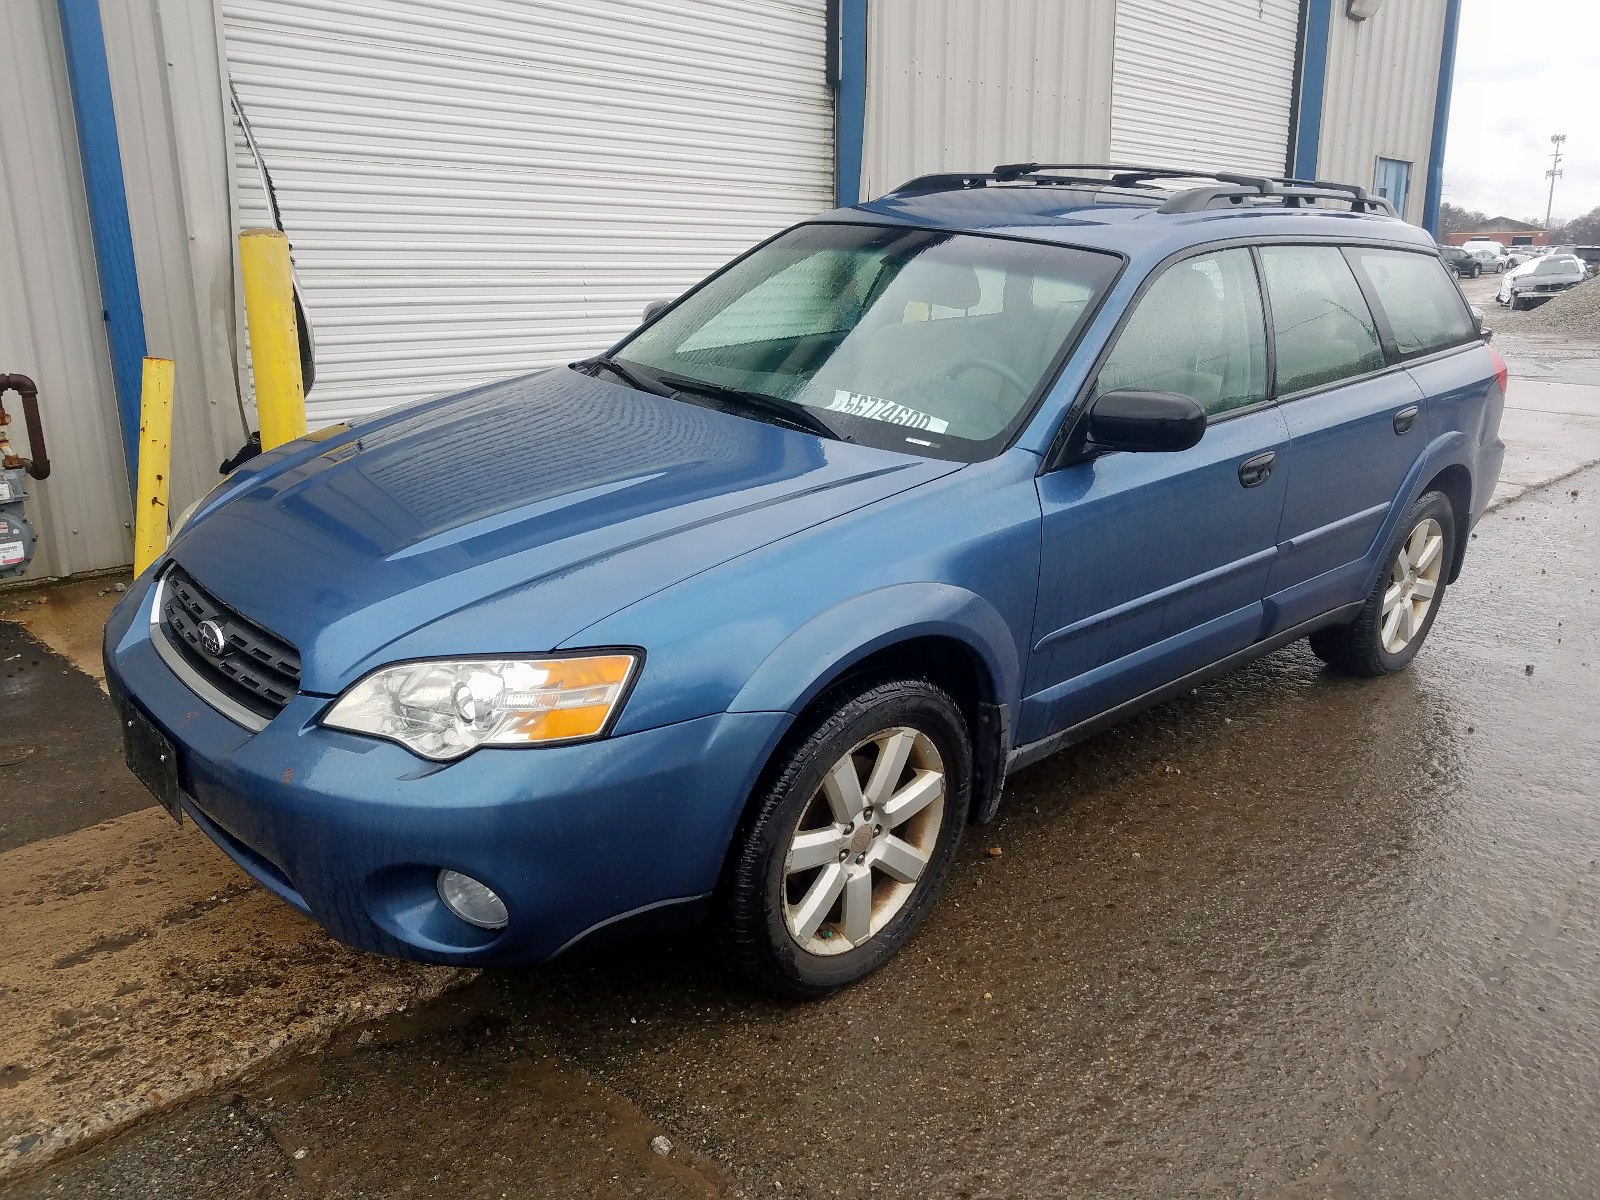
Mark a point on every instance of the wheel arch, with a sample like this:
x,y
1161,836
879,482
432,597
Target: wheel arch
x,y
946,634
1455,483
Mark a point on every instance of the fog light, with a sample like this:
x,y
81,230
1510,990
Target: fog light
x,y
472,901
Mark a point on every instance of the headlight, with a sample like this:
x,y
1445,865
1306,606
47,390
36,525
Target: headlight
x,y
442,710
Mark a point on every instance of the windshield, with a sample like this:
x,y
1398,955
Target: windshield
x,y
928,342
1556,266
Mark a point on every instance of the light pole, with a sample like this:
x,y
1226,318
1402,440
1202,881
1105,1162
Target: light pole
x,y
1554,173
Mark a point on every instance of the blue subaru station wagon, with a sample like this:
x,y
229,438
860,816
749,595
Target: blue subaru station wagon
x,y
744,620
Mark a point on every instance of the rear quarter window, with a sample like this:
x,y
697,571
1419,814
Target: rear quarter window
x,y
1424,308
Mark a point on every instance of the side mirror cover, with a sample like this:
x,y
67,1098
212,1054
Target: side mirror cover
x,y
654,309
1134,420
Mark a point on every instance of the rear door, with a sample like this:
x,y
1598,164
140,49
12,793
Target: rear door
x,y
1154,564
1356,425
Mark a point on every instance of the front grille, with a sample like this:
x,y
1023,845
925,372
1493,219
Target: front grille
x,y
255,668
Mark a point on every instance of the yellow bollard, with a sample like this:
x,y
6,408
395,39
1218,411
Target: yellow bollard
x,y
274,335
155,463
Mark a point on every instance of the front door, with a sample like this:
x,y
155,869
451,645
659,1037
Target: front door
x,y
1155,564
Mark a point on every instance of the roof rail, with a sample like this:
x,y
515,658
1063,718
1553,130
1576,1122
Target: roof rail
x,y
1015,173
1228,188
1292,193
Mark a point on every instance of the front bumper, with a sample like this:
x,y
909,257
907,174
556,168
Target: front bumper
x,y
353,831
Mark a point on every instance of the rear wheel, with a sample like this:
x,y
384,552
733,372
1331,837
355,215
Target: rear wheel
x,y
1399,611
846,844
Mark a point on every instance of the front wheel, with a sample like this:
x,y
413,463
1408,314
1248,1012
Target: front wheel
x,y
848,839
1399,611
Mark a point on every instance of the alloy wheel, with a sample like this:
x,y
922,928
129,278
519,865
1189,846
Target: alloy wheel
x,y
1413,585
863,840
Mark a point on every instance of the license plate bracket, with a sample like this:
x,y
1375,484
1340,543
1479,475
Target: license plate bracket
x,y
152,759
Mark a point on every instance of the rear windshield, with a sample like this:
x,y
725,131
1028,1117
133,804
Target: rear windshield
x,y
929,342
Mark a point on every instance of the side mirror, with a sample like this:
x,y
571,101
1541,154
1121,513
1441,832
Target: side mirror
x,y
1484,331
1129,419
654,309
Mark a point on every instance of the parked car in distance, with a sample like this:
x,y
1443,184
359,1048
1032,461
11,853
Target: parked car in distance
x,y
1517,255
1540,279
746,618
1492,259
1465,265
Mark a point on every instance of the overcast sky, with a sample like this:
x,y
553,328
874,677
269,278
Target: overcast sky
x,y
1512,91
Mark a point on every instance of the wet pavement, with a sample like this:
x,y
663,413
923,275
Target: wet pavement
x,y
1292,935
138,966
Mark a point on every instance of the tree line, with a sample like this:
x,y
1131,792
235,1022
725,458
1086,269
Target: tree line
x,y
1580,231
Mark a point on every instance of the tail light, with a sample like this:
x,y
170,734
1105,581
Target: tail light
x,y
1500,370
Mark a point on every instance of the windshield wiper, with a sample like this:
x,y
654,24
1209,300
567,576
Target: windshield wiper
x,y
789,411
632,376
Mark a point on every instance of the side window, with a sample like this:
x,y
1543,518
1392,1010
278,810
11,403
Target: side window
x,y
1321,325
1198,331
1424,308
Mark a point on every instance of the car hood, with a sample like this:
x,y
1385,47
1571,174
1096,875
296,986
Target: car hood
x,y
508,518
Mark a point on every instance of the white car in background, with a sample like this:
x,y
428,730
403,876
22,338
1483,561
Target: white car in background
x,y
1540,279
1517,255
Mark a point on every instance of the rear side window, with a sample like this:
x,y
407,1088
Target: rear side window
x,y
1424,308
1323,329
1198,331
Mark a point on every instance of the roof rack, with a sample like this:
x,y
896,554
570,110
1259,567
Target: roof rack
x,y
1229,189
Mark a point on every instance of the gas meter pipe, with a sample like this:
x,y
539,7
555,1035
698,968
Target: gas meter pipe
x,y
38,466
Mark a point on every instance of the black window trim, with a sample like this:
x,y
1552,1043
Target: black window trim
x,y
1027,412
1065,448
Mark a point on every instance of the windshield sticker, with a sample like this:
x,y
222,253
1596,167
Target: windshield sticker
x,y
856,404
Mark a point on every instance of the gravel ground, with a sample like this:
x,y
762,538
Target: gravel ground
x,y
1566,325
1575,312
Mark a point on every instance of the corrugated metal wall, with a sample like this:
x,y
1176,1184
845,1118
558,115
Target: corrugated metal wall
x,y
1205,83
166,81
965,84
1379,97
50,324
477,189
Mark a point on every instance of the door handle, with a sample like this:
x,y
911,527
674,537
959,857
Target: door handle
x,y
1254,471
1406,418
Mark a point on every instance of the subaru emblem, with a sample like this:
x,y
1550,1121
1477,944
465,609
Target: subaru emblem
x,y
212,640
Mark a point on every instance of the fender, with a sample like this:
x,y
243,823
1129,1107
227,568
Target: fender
x,y
1451,449
815,654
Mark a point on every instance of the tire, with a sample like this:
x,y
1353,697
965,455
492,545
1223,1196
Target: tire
x,y
1515,303
1369,646
766,903
1477,270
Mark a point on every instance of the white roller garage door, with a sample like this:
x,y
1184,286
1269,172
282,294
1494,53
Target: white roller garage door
x,y
1204,83
475,188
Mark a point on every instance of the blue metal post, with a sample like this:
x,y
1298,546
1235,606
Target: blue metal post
x,y
1441,118
101,153
1313,79
850,104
